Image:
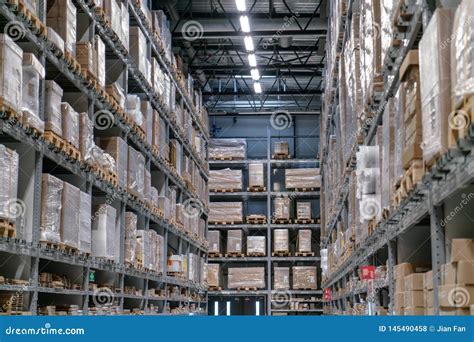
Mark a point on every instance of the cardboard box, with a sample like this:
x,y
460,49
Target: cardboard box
x,y
282,208
413,311
138,48
234,241
399,299
61,16
400,271
213,277
246,277
465,272
428,281
225,212
304,277
227,149
118,149
256,178
214,240
399,311
256,245
399,285
281,147
414,281
70,215
462,249
456,296
303,210
448,274
281,280
302,178
304,240
280,240
414,299
70,124
52,112
226,179
429,298
454,312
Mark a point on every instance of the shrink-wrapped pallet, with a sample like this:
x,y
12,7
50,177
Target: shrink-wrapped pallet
x,y
436,84
303,210
61,16
85,57
225,212
147,123
11,57
133,171
70,124
281,280
147,185
214,238
138,48
52,110
304,240
125,26
304,277
246,277
226,179
280,240
85,238
8,182
388,152
194,267
213,275
99,60
176,153
234,241
33,71
256,178
179,213
256,245
133,109
165,205
103,231
281,147
144,253
462,53
51,204
70,215
172,197
227,149
118,149
282,208
130,239
113,15
86,137
55,39
159,265
302,178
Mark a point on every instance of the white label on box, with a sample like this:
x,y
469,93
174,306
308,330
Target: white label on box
x,y
311,279
237,246
214,246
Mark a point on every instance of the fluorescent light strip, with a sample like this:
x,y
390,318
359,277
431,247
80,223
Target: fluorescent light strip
x,y
241,5
244,23
252,60
255,74
248,43
257,87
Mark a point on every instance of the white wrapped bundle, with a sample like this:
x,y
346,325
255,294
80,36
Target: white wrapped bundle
x,y
225,212
144,254
117,148
113,14
51,204
256,245
256,178
125,26
226,179
86,137
246,277
85,206
303,210
281,280
304,277
61,17
227,149
234,241
70,215
103,231
280,240
368,157
70,122
130,239
33,71
282,208
304,240
52,111
8,182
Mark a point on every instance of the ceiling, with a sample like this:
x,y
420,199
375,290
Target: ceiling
x,y
289,40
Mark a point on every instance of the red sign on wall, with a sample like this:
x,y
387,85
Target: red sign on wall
x,y
327,294
367,272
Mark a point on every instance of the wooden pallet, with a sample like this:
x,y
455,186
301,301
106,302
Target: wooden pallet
x,y
226,158
7,229
372,226
460,121
385,213
234,255
256,254
176,274
32,131
412,176
281,221
303,221
256,219
302,189
256,189
72,62
225,190
225,223
304,254
281,156
214,255
72,151
281,254
247,289
214,288
54,140
7,111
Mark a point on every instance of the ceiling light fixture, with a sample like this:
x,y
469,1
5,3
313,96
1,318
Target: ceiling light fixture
x,y
244,23
255,74
241,5
257,87
248,43
252,60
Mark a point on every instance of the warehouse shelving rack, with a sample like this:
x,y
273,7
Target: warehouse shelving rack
x,y
452,174
28,257
283,297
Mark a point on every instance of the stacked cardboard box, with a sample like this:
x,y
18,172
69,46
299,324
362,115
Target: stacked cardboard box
x,y
8,183
70,124
304,240
282,208
61,16
281,280
225,212
149,250
227,149
51,201
246,277
33,72
226,179
256,178
70,215
302,178
304,277
234,241
11,57
409,297
85,55
213,275
103,231
118,149
280,240
214,239
303,210
256,245
456,293
130,240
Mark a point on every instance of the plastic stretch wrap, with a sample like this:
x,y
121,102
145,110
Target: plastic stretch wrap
x,y
225,212
154,196
234,241
227,148
176,153
172,197
163,145
125,26
256,174
280,240
302,178
246,277
226,179
103,231
387,9
367,157
8,182
85,206
147,123
70,215
367,180
436,83
282,208
165,205
304,240
52,112
155,137
113,14
31,120
147,185
85,57
281,280
55,38
138,48
133,109
117,92
99,60
303,210
194,267
130,239
118,149
70,122
133,170
399,138
11,57
33,71
256,244
86,136
304,277
214,238
51,204
281,147
462,52
179,213
388,152
61,16
144,253
213,275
